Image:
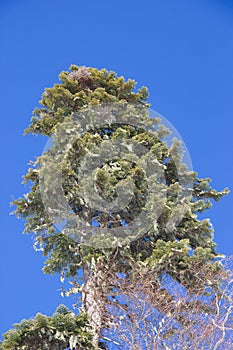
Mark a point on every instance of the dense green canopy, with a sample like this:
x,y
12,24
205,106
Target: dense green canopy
x,y
62,330
82,87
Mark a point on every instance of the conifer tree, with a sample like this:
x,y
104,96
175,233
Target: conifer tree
x,y
103,268
58,332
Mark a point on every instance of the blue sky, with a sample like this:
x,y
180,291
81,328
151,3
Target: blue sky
x,y
182,50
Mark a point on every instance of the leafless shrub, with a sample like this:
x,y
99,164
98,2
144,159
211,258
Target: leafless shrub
x,y
146,311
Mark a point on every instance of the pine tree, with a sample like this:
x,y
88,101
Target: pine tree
x,y
58,332
162,247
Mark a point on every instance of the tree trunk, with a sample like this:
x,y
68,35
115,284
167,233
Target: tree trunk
x,y
93,301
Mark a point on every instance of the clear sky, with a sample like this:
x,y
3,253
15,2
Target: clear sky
x,y
182,50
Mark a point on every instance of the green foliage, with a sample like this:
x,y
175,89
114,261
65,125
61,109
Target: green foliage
x,y
62,330
82,87
188,267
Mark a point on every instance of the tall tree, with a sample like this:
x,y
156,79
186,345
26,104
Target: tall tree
x,y
170,240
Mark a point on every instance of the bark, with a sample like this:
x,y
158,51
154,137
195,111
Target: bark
x,y
93,300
